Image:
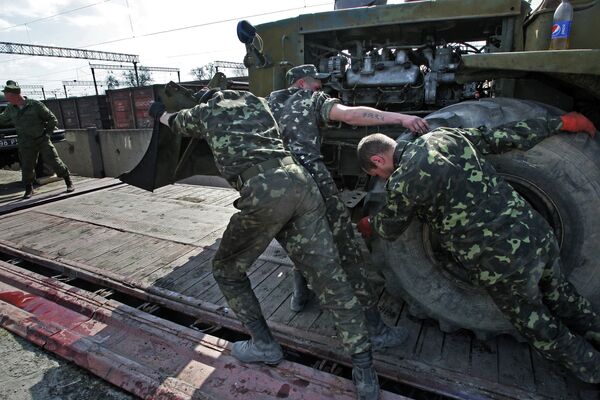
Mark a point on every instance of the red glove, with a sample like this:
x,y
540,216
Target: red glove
x,y
364,227
575,122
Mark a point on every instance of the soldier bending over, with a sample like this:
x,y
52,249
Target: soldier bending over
x,y
507,247
278,199
301,110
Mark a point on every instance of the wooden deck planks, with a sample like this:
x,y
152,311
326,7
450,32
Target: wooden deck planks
x,y
73,230
514,364
152,239
97,242
170,254
10,221
413,327
155,256
12,189
484,359
431,341
50,234
264,283
280,294
29,224
196,268
127,254
163,270
109,243
257,273
196,224
456,351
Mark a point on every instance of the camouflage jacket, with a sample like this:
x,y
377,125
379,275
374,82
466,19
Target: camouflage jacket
x,y
31,121
239,128
442,179
300,113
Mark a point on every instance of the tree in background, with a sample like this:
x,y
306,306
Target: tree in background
x,y
112,82
208,71
204,72
143,74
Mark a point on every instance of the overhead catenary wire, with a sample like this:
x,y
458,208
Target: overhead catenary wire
x,y
168,30
54,15
203,25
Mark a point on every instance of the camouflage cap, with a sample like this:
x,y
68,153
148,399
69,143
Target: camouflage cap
x,y
12,87
302,71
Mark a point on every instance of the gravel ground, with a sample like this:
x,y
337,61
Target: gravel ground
x,y
30,373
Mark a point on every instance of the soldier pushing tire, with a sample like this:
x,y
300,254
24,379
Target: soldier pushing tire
x,y
560,178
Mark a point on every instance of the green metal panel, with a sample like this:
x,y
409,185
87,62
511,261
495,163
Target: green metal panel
x,y
585,61
407,13
283,46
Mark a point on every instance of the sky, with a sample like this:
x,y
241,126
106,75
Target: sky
x,y
182,34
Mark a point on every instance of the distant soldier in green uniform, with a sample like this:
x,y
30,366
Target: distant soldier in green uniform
x,y
301,111
34,123
506,246
278,199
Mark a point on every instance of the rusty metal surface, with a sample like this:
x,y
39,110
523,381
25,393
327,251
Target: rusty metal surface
x,y
145,355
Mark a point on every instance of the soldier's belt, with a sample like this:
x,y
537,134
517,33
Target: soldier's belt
x,y
262,167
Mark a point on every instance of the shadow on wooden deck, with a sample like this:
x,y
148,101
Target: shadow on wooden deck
x,y
158,247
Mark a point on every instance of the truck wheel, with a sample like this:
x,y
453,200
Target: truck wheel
x,y
560,177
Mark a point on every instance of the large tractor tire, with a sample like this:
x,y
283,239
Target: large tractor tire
x,y
560,177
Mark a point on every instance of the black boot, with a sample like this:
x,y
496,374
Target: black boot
x,y
28,191
364,376
69,184
262,347
301,294
382,335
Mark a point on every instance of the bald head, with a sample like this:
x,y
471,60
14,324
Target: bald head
x,y
373,145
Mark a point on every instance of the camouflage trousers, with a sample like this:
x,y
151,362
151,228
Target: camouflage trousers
x,y
344,237
284,203
28,155
547,311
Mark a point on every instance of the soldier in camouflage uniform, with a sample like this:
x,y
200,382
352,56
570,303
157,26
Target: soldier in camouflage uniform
x,y
506,246
34,124
301,110
278,199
